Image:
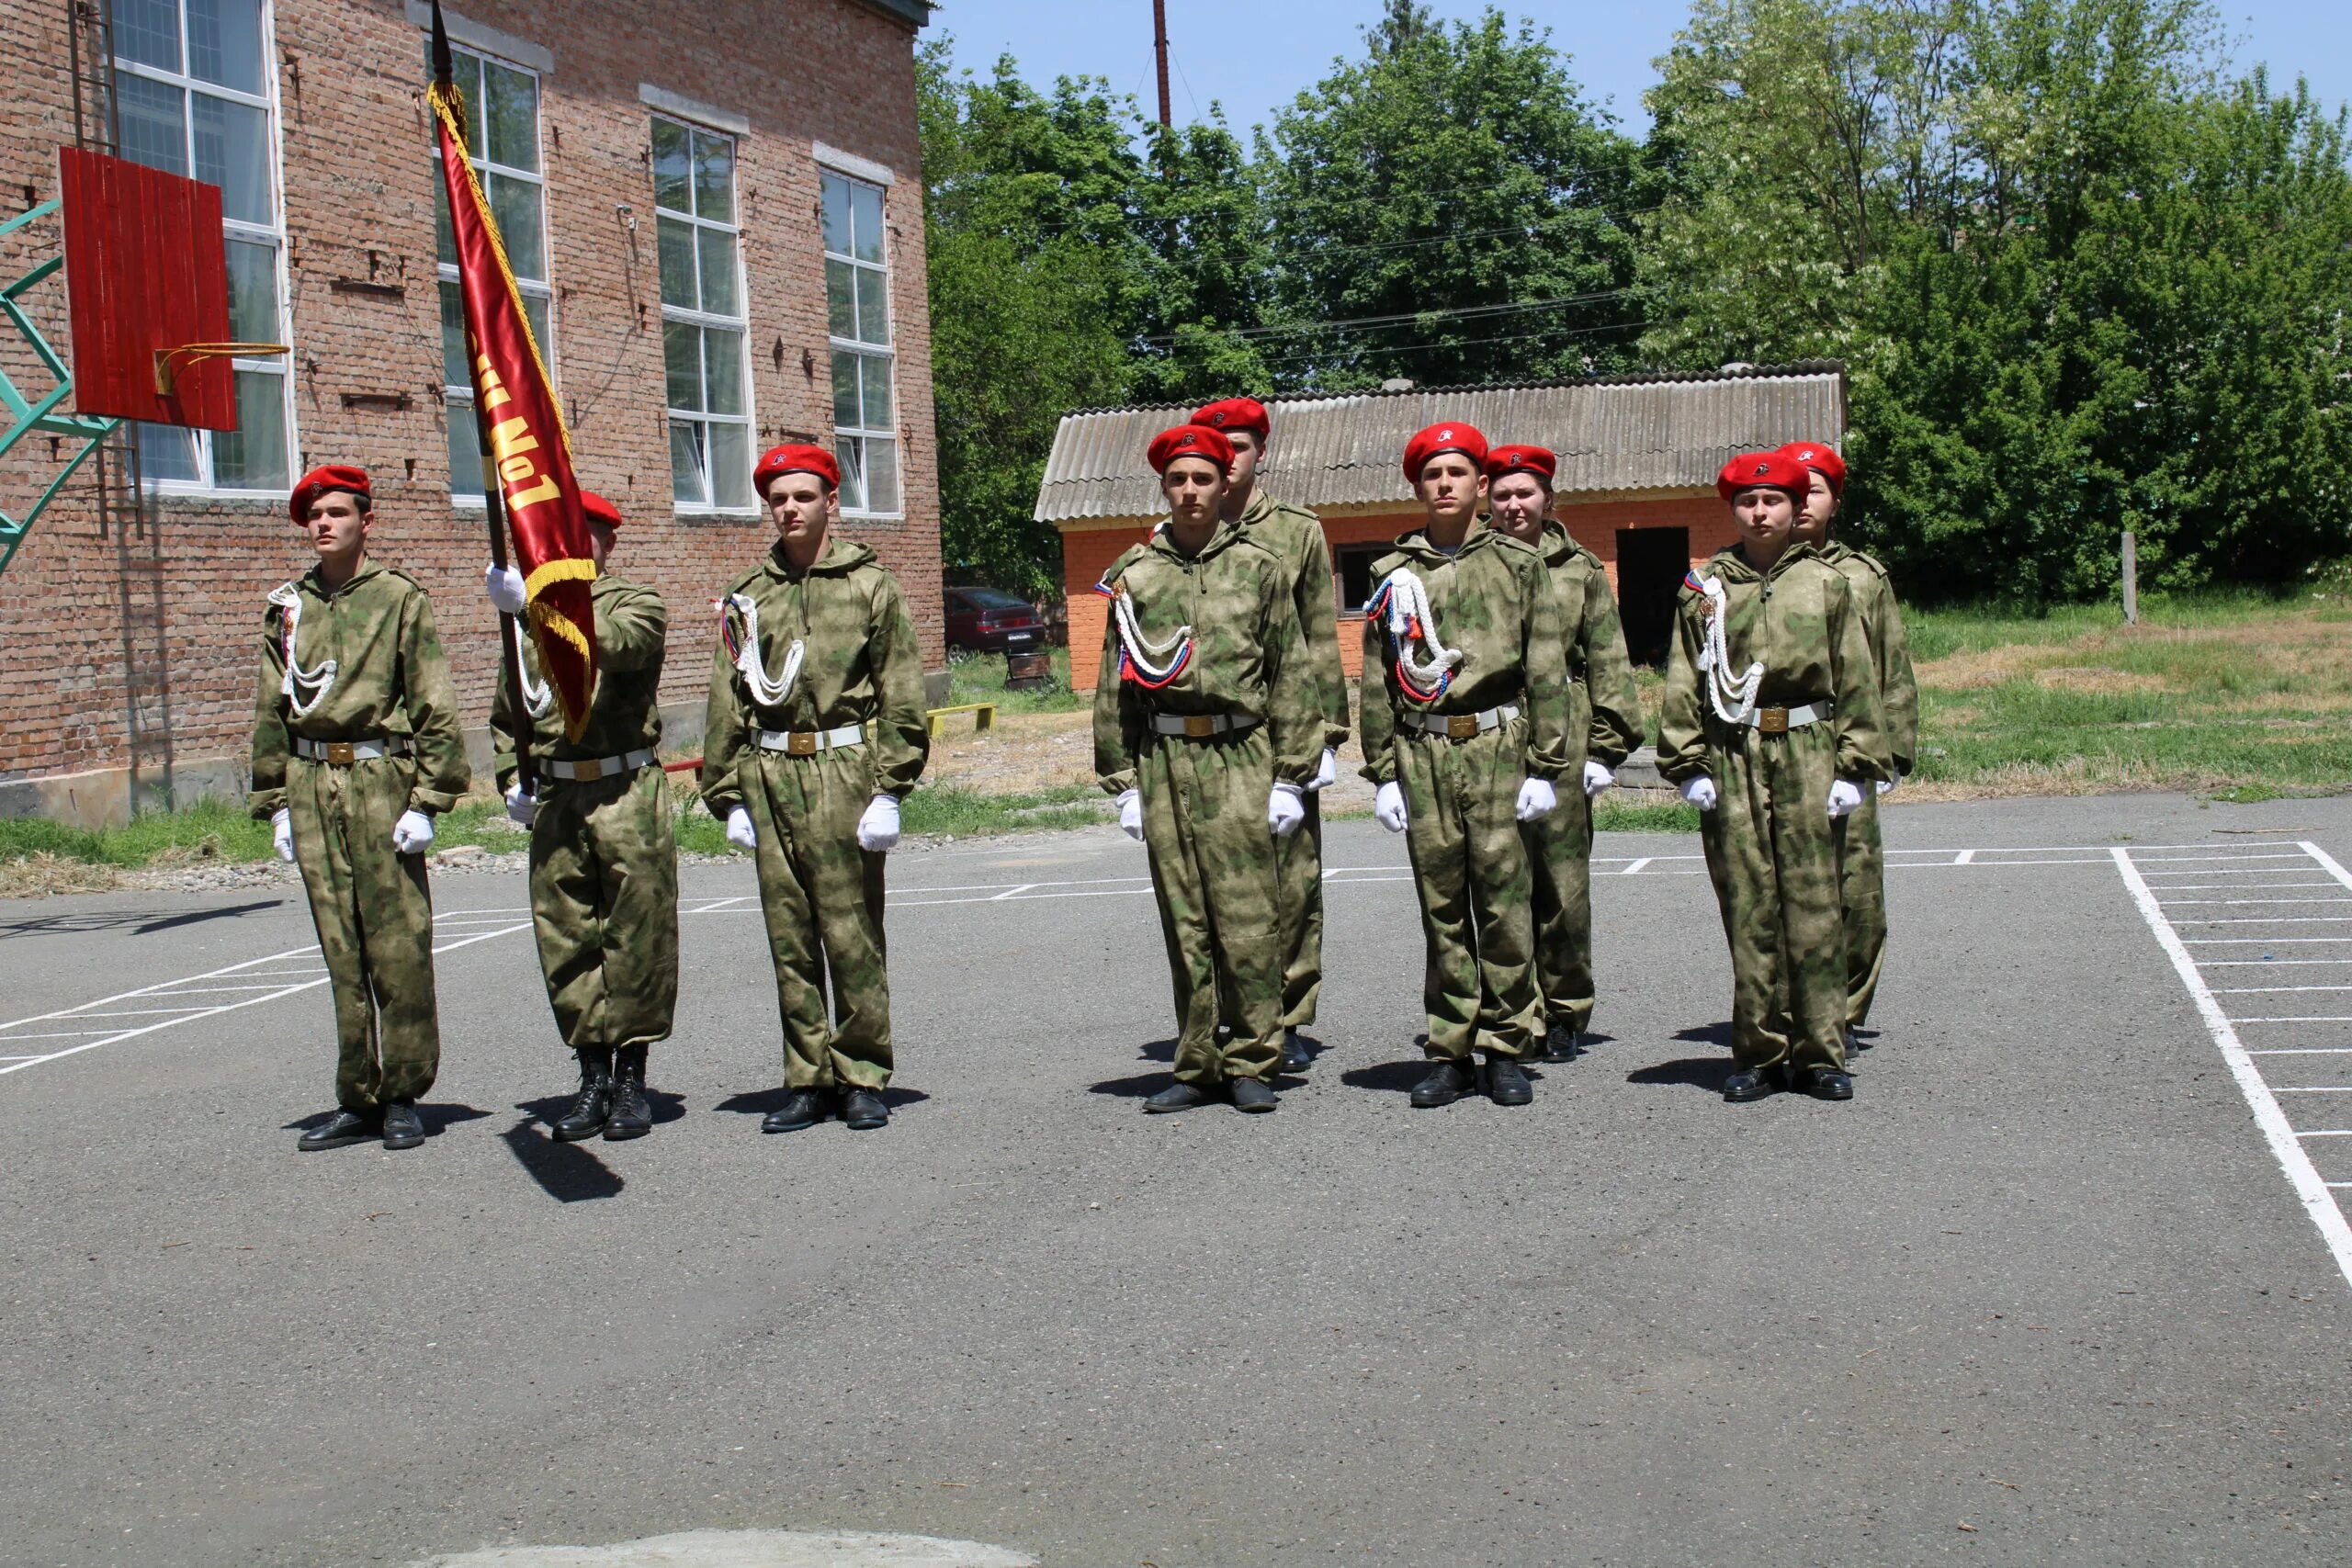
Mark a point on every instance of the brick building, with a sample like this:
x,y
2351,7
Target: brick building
x,y
1636,485
715,212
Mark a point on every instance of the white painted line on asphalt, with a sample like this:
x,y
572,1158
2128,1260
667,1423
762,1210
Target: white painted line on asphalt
x,y
2233,886
247,968
2314,1018
2339,1088
2255,990
1634,867
1013,893
143,1012
2269,920
2213,860
211,991
2305,1051
1964,857
2327,862
2186,903
2286,1145
2330,1132
2258,962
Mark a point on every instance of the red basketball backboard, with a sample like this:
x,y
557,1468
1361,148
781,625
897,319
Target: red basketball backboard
x,y
145,276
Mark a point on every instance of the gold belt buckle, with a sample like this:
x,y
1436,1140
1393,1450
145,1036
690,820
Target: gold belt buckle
x,y
590,771
1199,726
1462,726
1773,721
800,743
341,753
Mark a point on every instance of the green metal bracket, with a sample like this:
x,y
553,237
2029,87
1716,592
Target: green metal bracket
x,y
37,415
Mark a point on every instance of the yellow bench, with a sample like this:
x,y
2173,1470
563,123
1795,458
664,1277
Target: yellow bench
x,y
983,716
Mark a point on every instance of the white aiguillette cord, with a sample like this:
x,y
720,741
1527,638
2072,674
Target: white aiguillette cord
x,y
1733,700
537,695
1412,622
767,691
1156,662
318,680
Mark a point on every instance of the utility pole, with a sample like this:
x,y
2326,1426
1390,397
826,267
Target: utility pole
x,y
1159,47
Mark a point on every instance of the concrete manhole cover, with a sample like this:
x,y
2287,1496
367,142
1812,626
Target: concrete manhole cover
x,y
748,1549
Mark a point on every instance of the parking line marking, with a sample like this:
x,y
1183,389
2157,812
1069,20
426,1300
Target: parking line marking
x,y
2305,1051
2185,903
2314,1018
2263,990
2286,1143
1636,865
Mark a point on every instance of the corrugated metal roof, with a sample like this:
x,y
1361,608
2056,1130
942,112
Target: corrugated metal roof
x,y
1625,432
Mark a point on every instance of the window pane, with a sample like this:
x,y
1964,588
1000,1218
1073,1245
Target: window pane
x,y
516,204
845,397
673,175
677,247
681,357
717,272
836,191
535,310
232,152
223,42
468,75
865,209
731,465
722,358
465,450
253,455
155,132
686,463
881,474
454,368
873,306
841,300
876,377
149,32
167,452
849,452
253,292
715,178
445,238
513,118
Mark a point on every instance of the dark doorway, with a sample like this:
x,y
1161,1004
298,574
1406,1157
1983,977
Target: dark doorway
x,y
1650,566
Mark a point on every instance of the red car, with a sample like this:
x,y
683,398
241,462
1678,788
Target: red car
x,y
992,621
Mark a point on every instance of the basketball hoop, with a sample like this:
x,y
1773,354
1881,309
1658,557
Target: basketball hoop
x,y
167,360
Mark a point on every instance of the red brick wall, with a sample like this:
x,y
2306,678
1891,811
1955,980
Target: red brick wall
x,y
1087,552
357,173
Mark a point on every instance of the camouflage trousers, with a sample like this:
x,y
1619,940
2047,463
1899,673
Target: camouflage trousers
x,y
1559,854
604,905
1470,869
1213,874
1861,893
822,897
373,916
1298,871
1773,854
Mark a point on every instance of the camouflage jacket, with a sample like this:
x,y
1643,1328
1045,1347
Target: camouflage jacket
x,y
1494,602
625,713
860,664
1297,537
1890,649
390,678
1249,658
1799,619
1605,710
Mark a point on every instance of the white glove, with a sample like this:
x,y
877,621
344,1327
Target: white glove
x,y
413,834
1596,779
1536,798
1700,791
740,830
281,833
1886,787
1286,809
1844,796
1327,771
1388,806
1131,814
505,588
879,829
520,806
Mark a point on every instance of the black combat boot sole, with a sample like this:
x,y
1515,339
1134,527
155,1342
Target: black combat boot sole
x,y
1761,1088
618,1132
313,1145
404,1140
577,1134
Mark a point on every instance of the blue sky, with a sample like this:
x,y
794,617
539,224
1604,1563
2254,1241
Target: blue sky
x,y
1289,44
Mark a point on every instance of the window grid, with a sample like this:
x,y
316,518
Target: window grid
x,y
858,295
705,318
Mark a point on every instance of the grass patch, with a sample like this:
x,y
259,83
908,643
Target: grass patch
x,y
1612,816
949,809
979,678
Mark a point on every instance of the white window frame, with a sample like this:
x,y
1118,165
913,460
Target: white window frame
x,y
741,324
458,398
272,234
888,355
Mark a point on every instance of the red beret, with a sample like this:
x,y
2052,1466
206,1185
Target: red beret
x,y
1438,438
1822,458
794,458
599,510
1763,470
1523,461
1234,413
1190,441
320,481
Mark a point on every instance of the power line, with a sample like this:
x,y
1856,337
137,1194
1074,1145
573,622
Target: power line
x,y
1457,312
1394,348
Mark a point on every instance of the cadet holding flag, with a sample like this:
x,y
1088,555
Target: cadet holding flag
x,y
1206,732
604,849
355,749
1772,729
1465,722
815,645
1605,725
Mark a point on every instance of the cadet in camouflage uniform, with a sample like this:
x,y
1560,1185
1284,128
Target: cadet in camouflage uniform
x,y
604,849
815,645
1772,729
1205,730
1861,857
1296,536
1464,721
1604,727
356,749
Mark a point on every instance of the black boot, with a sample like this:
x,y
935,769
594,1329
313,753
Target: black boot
x,y
1249,1094
1505,1084
864,1110
1296,1056
1826,1083
593,1104
1560,1042
1752,1083
801,1108
1447,1082
1176,1097
340,1131
631,1117
403,1128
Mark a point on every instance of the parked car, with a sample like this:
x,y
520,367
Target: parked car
x,y
992,621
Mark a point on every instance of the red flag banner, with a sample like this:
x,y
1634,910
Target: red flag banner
x,y
527,452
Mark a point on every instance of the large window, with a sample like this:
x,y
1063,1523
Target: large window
x,y
193,91
857,296
703,326
502,140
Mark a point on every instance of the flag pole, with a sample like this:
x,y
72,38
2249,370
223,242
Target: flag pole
x,y
510,655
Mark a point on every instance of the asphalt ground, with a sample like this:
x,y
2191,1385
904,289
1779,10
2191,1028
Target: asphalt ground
x,y
2045,1291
